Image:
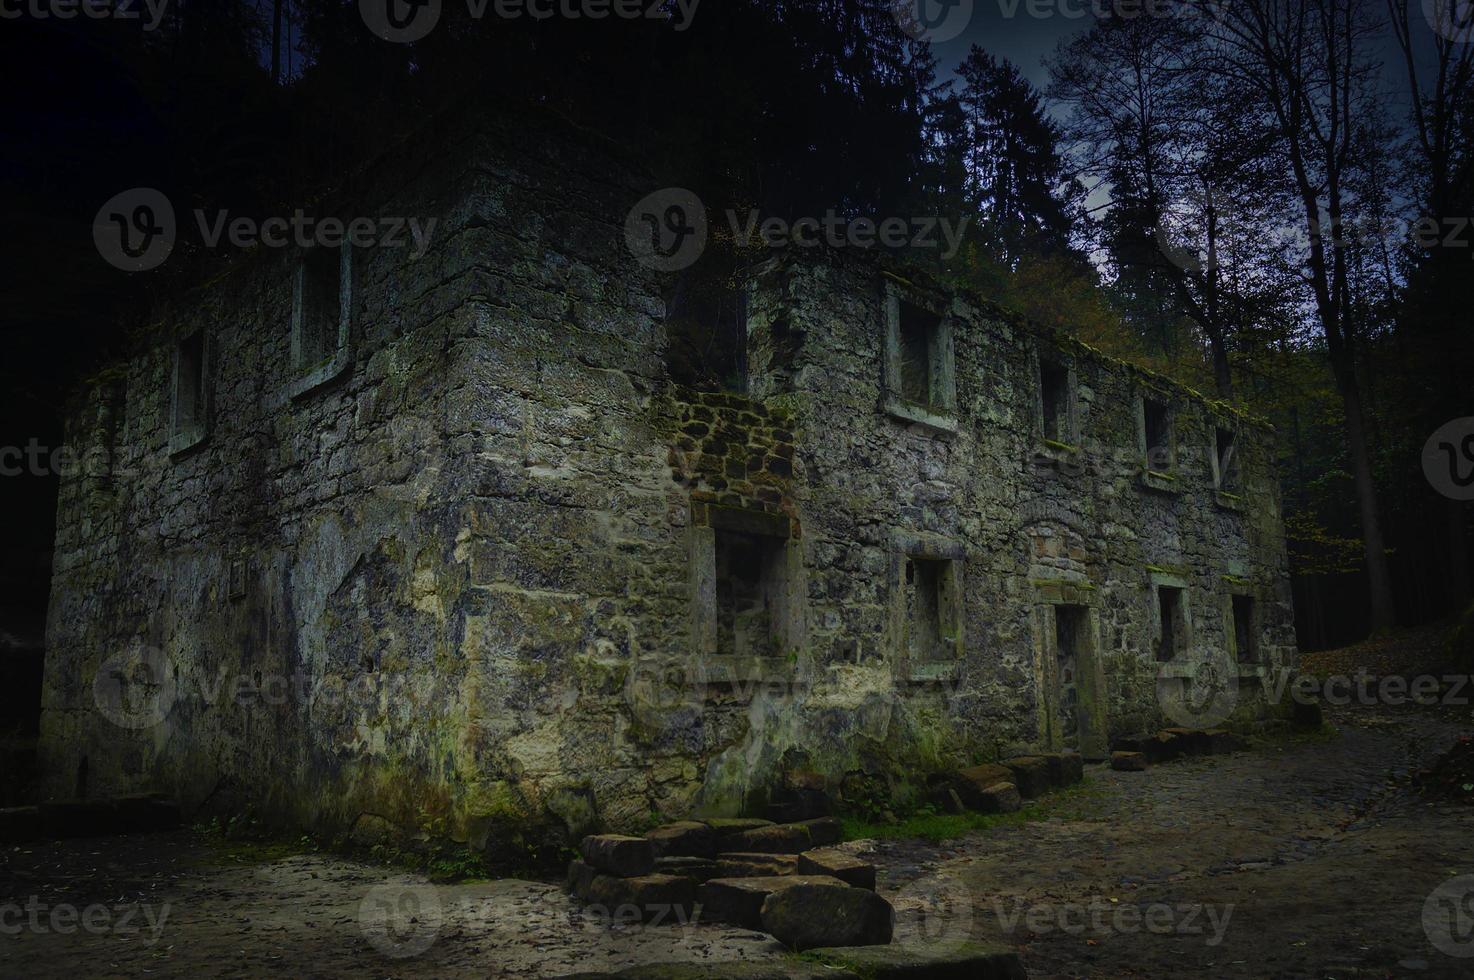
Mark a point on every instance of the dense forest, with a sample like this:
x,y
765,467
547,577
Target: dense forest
x,y
1265,199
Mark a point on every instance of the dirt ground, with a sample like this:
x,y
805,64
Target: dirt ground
x,y
1308,859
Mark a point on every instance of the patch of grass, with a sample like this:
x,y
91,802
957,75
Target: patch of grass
x,y
230,843
1078,802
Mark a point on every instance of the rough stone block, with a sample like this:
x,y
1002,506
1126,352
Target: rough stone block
x,y
1065,768
147,813
696,868
739,901
971,961
1161,747
1129,761
686,838
653,899
19,823
78,818
973,782
1030,775
725,826
1190,741
824,830
814,914
1307,714
781,838
580,877
616,854
1222,741
741,865
999,798
837,864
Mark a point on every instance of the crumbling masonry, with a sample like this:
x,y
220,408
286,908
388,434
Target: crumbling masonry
x,y
436,545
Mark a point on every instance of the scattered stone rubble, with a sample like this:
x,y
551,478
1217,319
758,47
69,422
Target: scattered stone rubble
x,y
783,878
1134,753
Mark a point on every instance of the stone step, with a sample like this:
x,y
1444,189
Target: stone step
x,y
1030,775
837,864
685,838
1129,761
618,854
970,961
739,901
753,865
815,913
653,899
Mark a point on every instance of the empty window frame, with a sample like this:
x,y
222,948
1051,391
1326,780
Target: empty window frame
x,y
189,397
920,370
319,304
921,353
1245,638
749,579
1226,460
1171,622
933,621
1054,393
1156,420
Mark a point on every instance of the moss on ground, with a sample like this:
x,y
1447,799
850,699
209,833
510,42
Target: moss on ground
x,y
1079,802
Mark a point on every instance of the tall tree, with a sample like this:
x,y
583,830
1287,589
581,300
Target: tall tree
x,y
1014,170
1309,64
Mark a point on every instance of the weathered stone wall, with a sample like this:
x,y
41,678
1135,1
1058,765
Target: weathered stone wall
x,y
485,576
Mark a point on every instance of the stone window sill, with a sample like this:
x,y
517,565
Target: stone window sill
x,y
1058,452
1159,482
728,671
1176,669
932,671
321,376
1228,501
944,425
186,440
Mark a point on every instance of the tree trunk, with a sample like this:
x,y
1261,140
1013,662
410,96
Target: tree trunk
x,y
1379,578
276,41
1458,556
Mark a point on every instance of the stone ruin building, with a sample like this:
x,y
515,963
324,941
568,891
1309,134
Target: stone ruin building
x,y
436,544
